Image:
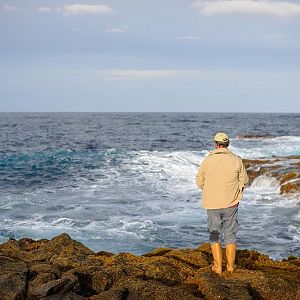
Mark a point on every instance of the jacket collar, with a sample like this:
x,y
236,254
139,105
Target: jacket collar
x,y
220,151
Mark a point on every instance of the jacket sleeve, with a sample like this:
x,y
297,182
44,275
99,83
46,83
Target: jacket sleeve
x,y
200,178
243,177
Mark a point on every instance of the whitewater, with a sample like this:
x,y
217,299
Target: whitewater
x,y
126,182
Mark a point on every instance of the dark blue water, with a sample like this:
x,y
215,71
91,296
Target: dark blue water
x,y
125,182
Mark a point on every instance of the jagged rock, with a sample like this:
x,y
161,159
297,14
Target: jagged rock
x,y
112,295
68,296
40,289
285,169
161,274
137,289
215,287
189,257
61,251
92,280
290,187
45,280
13,279
253,136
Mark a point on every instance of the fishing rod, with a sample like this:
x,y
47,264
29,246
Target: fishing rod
x,y
194,135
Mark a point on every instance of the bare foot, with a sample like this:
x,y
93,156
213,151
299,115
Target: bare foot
x,y
230,270
216,270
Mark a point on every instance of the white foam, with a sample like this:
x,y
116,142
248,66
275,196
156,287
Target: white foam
x,y
139,225
67,222
265,184
294,232
287,138
277,146
146,195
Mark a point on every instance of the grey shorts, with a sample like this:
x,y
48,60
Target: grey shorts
x,y
223,220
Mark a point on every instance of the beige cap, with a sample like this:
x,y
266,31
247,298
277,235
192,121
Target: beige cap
x,y
221,137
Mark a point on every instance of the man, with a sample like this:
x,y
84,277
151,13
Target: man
x,y
222,177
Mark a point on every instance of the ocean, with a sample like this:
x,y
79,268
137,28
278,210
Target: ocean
x,y
125,182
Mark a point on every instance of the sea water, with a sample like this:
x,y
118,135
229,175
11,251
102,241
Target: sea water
x,y
126,181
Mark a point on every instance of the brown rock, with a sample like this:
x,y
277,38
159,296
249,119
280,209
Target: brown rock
x,y
290,188
288,176
51,287
137,289
284,169
61,251
111,295
13,278
192,258
163,272
72,271
68,296
158,252
91,280
215,287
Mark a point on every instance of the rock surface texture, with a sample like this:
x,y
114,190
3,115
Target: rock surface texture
x,y
286,170
62,268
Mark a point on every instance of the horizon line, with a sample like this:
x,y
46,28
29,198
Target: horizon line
x,y
158,112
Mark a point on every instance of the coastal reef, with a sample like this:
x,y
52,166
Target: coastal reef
x,y
62,268
286,170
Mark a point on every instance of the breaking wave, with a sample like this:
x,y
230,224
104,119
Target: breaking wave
x,y
132,187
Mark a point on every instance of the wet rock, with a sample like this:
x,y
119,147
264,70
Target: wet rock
x,y
290,188
284,169
253,136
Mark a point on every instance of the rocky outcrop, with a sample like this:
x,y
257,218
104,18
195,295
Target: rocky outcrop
x,y
253,136
62,268
285,169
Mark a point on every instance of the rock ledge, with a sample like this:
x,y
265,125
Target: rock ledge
x,y
62,268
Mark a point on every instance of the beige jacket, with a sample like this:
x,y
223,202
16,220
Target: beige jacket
x,y
222,177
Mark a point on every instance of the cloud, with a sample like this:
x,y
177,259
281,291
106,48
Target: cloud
x,y
44,9
187,38
81,9
266,7
121,29
7,7
139,74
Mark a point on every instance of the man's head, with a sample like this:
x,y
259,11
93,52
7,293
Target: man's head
x,y
221,140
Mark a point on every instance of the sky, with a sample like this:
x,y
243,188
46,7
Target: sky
x,y
150,56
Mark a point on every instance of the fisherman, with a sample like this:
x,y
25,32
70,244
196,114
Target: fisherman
x,y
222,178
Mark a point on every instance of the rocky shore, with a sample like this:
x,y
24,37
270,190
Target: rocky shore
x,y
286,170
62,268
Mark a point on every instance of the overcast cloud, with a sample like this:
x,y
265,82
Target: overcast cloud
x,y
136,55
